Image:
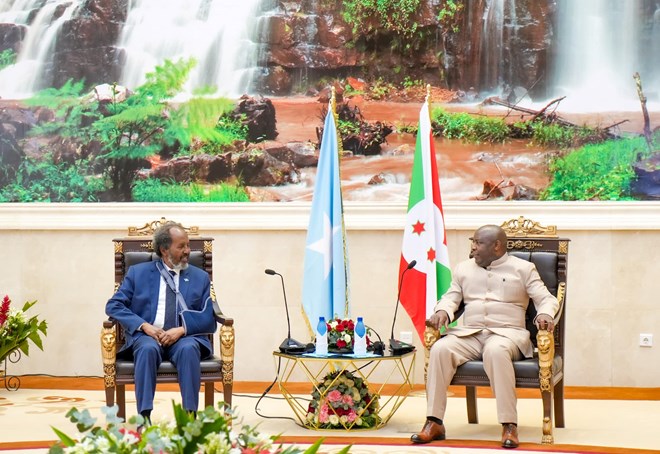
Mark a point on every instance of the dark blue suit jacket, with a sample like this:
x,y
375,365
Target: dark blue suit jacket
x,y
136,301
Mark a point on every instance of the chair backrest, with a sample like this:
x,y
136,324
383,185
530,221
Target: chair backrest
x,y
137,248
540,245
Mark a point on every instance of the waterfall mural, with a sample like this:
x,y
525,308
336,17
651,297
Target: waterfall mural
x,y
580,49
600,45
218,34
43,23
585,50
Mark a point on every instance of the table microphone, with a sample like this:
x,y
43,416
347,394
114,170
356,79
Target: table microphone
x,y
398,347
288,345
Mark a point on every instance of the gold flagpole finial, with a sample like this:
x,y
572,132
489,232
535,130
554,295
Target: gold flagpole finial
x,y
428,92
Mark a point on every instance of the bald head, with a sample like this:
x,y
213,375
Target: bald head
x,y
488,244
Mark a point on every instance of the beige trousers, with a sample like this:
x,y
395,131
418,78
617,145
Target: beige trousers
x,y
497,353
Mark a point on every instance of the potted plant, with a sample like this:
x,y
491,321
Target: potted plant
x,y
18,331
209,432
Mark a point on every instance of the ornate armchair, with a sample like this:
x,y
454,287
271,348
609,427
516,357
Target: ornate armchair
x,y
137,248
540,245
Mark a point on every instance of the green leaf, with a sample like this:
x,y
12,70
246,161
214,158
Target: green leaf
x,y
64,438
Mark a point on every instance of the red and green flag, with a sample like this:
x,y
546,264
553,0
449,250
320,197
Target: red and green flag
x,y
424,238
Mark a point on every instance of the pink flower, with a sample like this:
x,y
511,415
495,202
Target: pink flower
x,y
351,415
323,413
346,399
125,431
334,396
4,310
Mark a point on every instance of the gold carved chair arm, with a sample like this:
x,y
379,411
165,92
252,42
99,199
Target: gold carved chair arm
x,y
109,352
561,295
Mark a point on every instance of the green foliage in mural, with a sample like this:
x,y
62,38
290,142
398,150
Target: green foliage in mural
x,y
45,180
369,16
469,128
207,120
130,131
154,190
596,172
73,112
448,15
479,129
138,127
7,58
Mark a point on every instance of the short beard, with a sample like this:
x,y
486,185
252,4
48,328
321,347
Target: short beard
x,y
178,266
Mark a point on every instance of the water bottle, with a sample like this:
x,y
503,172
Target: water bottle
x,y
321,337
360,344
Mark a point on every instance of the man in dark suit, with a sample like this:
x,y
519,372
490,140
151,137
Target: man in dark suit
x,y
165,309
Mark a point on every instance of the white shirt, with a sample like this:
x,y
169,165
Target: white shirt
x,y
160,311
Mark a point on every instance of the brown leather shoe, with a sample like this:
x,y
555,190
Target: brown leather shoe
x,y
509,436
431,431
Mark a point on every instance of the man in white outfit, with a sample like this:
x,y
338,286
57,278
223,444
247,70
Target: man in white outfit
x,y
496,289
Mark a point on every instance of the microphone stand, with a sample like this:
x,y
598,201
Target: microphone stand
x,y
288,345
398,347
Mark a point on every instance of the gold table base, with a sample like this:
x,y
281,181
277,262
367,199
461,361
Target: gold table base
x,y
397,371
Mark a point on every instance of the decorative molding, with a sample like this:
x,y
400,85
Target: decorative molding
x,y
520,244
526,227
149,228
114,217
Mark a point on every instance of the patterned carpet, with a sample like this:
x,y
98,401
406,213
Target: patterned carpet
x,y
28,415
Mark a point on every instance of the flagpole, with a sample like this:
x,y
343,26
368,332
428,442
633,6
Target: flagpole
x,y
428,98
340,148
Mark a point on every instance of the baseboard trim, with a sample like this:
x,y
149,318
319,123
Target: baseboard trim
x,y
256,387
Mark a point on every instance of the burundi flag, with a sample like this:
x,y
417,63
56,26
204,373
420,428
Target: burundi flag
x,y
424,238
325,290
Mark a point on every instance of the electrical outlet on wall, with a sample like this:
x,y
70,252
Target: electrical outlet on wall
x,y
646,340
406,336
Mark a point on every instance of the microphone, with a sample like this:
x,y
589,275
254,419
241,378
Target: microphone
x,y
398,347
288,345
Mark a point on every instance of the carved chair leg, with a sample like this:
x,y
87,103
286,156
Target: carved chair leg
x,y
546,344
209,392
121,401
559,404
110,396
227,344
471,400
227,389
547,437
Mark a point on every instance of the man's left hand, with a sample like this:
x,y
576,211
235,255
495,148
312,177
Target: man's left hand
x,y
169,337
544,321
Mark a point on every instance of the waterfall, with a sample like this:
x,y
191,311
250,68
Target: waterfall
x,y
499,21
29,73
218,34
601,44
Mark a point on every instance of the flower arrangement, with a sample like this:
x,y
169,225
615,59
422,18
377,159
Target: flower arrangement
x,y
341,335
17,330
342,401
210,431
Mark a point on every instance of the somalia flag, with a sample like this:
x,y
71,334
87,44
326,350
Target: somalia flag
x,y
325,290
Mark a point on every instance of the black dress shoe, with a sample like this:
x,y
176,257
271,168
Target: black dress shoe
x,y
509,436
431,431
